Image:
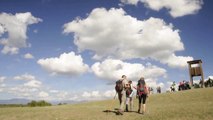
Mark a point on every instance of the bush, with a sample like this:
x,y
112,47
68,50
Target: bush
x,y
39,103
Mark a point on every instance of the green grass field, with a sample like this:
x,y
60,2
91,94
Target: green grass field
x,y
196,104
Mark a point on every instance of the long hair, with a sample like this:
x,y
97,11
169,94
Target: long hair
x,y
142,81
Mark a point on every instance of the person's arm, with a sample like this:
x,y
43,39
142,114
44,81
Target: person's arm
x,y
147,90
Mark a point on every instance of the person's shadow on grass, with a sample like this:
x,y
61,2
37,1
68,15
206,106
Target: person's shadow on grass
x,y
115,111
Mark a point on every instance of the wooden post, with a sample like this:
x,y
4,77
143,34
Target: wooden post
x,y
202,76
196,71
191,80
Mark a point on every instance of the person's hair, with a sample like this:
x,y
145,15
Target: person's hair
x,y
130,82
123,76
143,81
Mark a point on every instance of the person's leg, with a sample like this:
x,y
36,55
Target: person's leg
x,y
120,97
144,103
127,103
139,105
131,103
144,108
123,98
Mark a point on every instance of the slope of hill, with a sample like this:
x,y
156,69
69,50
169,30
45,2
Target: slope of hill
x,y
196,104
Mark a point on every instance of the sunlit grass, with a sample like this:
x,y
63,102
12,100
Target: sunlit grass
x,y
196,104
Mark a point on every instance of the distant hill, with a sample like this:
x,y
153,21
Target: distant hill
x,y
25,101
15,101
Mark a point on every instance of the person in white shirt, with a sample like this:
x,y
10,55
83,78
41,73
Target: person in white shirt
x,y
123,96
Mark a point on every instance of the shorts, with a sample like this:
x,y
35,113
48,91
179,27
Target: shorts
x,y
142,98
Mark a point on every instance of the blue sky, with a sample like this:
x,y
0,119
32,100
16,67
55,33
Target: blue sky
x,y
76,50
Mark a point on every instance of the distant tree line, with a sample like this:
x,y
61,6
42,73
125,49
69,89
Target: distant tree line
x,y
62,103
33,103
38,103
12,105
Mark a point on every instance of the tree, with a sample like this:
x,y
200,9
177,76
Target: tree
x,y
39,103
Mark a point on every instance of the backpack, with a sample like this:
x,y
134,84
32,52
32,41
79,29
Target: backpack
x,y
118,86
141,88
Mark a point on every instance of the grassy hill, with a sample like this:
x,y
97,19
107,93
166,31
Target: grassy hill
x,y
196,104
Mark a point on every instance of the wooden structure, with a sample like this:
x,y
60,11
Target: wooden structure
x,y
195,69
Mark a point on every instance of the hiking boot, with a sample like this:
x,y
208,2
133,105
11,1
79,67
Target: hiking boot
x,y
139,110
126,109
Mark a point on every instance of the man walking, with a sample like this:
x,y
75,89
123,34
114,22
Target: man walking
x,y
123,93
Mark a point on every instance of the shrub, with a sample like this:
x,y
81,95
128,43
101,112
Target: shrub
x,y
38,103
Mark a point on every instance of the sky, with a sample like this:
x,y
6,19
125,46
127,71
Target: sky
x,y
77,49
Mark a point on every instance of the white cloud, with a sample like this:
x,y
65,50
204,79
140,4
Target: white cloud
x,y
86,94
31,80
25,77
2,85
66,63
131,2
54,91
92,94
177,8
62,95
11,50
15,26
2,78
113,34
96,95
113,69
28,56
33,84
153,83
43,94
23,91
109,93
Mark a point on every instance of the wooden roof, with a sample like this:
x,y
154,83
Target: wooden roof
x,y
194,61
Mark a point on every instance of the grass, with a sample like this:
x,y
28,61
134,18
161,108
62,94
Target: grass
x,y
196,104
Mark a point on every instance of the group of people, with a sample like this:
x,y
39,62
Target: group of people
x,y
182,86
124,89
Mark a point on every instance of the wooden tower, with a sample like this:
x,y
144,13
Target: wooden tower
x,y
195,69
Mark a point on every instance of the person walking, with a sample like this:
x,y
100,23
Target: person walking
x,y
129,95
173,87
123,93
142,93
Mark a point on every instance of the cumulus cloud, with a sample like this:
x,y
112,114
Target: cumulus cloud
x,y
43,94
131,2
177,8
31,80
65,64
33,83
2,85
13,31
96,95
109,93
111,69
28,56
25,77
23,91
114,34
2,78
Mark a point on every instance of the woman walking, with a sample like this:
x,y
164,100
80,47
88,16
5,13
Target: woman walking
x,y
142,93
